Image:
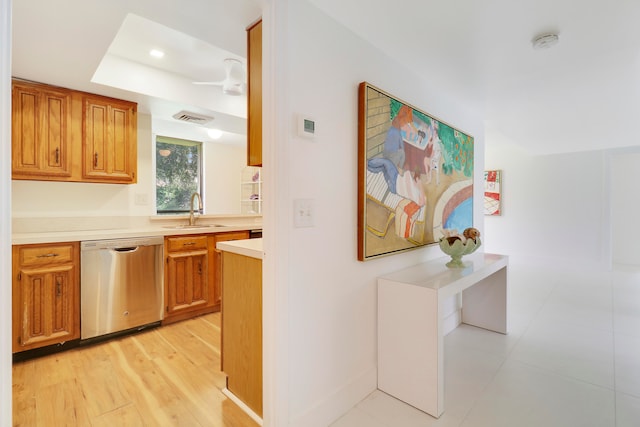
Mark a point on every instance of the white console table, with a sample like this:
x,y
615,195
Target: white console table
x,y
410,322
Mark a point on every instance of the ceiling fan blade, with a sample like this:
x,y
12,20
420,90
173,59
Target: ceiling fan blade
x,y
220,83
233,88
233,84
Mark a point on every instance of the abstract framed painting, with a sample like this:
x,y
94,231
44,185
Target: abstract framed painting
x,y
415,176
493,192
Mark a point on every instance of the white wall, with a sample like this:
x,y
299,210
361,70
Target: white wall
x,y
68,199
223,166
5,213
331,296
554,206
222,177
625,205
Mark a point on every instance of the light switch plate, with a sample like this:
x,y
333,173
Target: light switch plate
x,y
141,199
303,212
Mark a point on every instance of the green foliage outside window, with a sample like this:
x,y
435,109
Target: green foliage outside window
x,y
178,173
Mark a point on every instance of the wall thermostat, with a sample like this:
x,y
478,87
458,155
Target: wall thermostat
x,y
307,127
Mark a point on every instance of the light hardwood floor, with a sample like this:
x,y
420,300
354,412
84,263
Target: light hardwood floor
x,y
168,376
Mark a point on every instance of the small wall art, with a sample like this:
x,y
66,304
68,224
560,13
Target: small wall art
x,y
415,176
492,192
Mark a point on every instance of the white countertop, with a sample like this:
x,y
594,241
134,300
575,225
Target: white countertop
x,y
249,247
154,227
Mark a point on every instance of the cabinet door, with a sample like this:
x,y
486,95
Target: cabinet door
x,y
254,95
217,262
44,299
41,134
187,281
109,149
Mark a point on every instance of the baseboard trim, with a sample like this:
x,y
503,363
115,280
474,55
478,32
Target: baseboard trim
x,y
242,405
328,410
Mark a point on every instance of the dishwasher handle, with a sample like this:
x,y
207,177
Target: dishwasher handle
x,y
130,249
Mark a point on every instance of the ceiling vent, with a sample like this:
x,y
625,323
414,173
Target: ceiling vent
x,y
191,117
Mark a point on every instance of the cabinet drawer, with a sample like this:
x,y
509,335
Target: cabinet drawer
x,y
41,255
186,243
231,235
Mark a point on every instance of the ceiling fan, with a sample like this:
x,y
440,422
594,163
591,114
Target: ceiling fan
x,y
233,84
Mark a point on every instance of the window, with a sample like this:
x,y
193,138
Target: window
x,y
178,173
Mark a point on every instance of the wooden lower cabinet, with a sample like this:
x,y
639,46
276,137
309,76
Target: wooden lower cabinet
x,y
192,274
45,293
188,284
46,286
242,328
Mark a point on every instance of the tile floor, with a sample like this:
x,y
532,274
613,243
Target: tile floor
x,y
571,358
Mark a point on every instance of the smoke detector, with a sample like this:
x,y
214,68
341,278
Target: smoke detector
x,y
545,41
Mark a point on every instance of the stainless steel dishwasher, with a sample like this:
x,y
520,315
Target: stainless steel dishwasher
x,y
121,285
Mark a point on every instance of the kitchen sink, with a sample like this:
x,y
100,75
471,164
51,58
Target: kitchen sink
x,y
187,226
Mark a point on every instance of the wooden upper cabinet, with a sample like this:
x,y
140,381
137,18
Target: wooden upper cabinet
x,y
254,94
61,134
41,132
110,140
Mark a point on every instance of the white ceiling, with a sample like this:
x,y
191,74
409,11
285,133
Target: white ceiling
x,y
582,94
102,47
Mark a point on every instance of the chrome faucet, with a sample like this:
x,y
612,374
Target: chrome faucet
x,y
192,218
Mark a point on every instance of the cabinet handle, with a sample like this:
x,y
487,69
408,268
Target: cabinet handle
x,y
95,160
189,244
58,287
199,268
49,255
57,155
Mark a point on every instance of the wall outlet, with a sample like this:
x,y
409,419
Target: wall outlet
x,y
303,212
141,199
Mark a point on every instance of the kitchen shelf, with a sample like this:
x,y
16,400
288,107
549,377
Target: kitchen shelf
x,y
251,190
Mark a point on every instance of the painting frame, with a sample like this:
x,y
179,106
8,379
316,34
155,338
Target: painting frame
x,y
407,199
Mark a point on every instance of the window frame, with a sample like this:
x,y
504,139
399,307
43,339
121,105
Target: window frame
x,y
159,139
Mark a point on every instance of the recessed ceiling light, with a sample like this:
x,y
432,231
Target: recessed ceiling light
x,y
545,41
156,53
214,133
